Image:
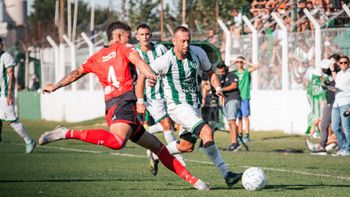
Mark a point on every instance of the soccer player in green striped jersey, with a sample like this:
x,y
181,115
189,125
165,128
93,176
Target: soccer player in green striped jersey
x,y
7,98
152,97
181,69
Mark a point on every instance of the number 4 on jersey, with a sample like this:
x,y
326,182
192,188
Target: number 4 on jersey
x,y
112,77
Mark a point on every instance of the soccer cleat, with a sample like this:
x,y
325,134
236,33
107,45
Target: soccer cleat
x,y
234,147
54,135
153,163
200,185
30,146
233,178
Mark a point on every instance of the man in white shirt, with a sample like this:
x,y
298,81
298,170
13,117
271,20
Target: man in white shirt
x,y
341,105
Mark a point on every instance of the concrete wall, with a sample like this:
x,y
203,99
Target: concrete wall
x,y
270,110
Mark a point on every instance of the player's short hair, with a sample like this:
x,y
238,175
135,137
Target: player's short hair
x,y
116,25
143,26
182,29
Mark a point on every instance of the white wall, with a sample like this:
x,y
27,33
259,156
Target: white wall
x,y
72,106
279,110
270,110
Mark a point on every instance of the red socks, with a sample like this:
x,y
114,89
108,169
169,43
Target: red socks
x,y
97,136
174,165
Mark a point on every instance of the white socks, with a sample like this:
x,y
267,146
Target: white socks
x,y
155,128
172,148
169,136
19,129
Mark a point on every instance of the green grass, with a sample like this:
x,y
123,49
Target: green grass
x,y
51,171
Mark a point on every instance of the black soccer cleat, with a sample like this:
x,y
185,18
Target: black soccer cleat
x,y
232,178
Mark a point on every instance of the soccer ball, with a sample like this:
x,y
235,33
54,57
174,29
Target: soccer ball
x,y
254,178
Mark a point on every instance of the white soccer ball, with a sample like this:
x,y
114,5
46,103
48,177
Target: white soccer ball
x,y
254,178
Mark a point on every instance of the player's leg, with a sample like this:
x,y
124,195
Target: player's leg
x,y
8,114
149,141
190,119
240,120
118,118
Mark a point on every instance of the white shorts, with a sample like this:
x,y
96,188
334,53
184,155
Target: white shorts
x,y
185,115
157,108
7,112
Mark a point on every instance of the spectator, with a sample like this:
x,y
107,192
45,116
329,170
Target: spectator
x,y
236,18
244,89
328,84
213,38
229,84
341,104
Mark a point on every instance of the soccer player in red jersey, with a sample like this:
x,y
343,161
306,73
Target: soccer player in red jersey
x,y
114,67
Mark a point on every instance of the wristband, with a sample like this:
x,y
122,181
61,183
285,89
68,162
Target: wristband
x,y
140,101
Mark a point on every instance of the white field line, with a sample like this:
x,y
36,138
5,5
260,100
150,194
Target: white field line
x,y
190,160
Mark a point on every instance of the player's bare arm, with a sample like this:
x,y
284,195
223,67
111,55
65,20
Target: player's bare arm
x,y
143,67
11,75
66,80
139,91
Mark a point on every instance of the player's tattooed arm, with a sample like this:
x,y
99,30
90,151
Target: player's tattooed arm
x,y
66,80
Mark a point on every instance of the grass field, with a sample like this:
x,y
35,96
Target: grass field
x,y
73,168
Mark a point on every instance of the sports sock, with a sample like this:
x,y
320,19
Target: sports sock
x,y
172,148
169,136
214,155
155,128
174,165
20,130
97,136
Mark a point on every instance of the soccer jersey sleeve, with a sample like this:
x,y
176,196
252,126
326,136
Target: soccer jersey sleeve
x,y
87,65
8,60
161,65
205,63
127,50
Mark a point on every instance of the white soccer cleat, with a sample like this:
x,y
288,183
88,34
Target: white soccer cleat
x,y
200,185
153,162
54,135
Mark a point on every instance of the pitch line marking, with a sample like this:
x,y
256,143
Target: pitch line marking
x,y
190,160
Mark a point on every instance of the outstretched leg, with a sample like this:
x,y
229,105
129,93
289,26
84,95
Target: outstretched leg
x,y
151,142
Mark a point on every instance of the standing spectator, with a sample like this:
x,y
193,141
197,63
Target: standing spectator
x,y
229,84
213,38
236,18
8,100
328,83
244,89
341,104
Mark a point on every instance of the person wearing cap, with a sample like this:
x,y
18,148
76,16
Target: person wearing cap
x,y
327,83
229,84
341,123
7,98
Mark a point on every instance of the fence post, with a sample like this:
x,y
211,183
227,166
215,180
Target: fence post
x,y
72,57
318,49
346,9
285,82
228,42
91,51
255,48
57,59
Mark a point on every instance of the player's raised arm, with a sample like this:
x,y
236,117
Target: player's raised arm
x,y
66,80
142,66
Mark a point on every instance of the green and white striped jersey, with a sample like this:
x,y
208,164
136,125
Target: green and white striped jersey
x,y
182,78
154,92
6,61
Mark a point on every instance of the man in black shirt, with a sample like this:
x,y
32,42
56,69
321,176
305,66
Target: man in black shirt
x,y
229,84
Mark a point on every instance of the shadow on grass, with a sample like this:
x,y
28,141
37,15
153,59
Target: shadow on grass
x,y
301,187
280,137
72,180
